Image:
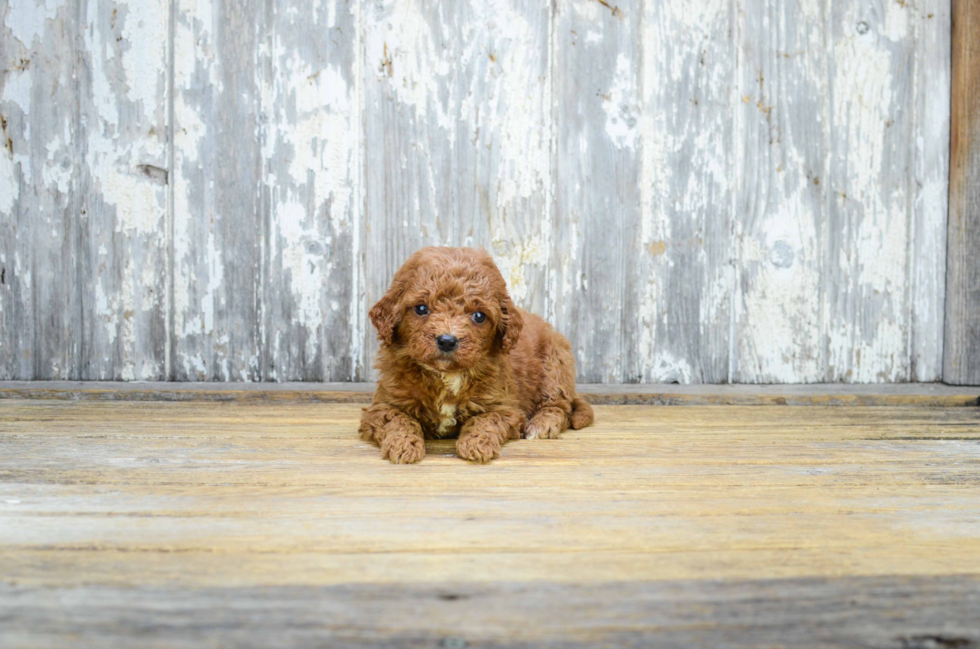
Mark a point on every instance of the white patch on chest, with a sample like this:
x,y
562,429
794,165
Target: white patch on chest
x,y
448,412
453,381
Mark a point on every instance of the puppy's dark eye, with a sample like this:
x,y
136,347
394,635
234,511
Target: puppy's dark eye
x,y
421,310
479,317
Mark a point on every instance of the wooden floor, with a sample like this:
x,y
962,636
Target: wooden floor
x,y
254,524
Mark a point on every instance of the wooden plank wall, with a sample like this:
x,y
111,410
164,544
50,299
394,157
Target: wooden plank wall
x,y
697,191
962,350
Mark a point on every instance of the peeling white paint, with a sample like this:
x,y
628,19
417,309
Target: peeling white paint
x,y
145,33
9,186
57,173
17,88
305,270
474,115
26,19
621,105
515,258
411,60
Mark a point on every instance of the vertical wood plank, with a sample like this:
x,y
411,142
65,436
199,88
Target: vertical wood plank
x,y
733,190
683,256
866,273
597,179
310,139
411,108
930,183
123,177
784,147
503,157
458,139
219,225
39,312
961,364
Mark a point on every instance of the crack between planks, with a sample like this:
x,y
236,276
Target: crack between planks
x,y
169,346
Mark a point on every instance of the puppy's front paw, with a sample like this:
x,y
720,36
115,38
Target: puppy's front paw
x,y
545,425
478,447
403,449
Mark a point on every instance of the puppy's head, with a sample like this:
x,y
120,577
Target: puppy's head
x,y
447,309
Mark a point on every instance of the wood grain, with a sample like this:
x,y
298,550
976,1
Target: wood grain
x,y
962,349
728,191
681,302
236,523
457,142
127,493
122,213
311,136
928,395
219,226
39,191
886,612
597,179
783,146
930,182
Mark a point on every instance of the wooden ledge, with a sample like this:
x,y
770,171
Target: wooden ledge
x,y
905,394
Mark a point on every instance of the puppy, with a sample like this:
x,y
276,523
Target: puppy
x,y
457,358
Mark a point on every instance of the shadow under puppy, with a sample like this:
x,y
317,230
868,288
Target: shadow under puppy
x,y
458,358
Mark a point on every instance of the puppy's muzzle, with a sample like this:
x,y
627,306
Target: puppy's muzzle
x,y
447,343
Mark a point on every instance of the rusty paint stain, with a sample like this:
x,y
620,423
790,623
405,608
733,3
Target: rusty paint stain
x,y
156,174
615,10
386,61
657,248
9,142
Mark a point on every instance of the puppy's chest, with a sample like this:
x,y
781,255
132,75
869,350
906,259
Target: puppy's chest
x,y
450,408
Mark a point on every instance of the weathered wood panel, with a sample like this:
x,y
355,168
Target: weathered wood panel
x,y
458,140
232,522
121,222
780,234
310,132
724,191
219,228
597,180
962,350
504,135
930,183
679,319
871,612
411,114
839,263
930,395
866,296
39,190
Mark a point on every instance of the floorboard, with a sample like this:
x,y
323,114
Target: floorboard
x,y
245,523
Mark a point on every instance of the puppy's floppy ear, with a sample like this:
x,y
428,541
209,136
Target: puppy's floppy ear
x,y
510,325
385,315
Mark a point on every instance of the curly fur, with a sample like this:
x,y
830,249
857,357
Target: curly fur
x,y
510,375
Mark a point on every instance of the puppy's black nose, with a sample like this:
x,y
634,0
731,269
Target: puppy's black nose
x,y
446,343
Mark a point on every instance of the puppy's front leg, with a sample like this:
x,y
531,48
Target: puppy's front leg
x,y
399,436
481,437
